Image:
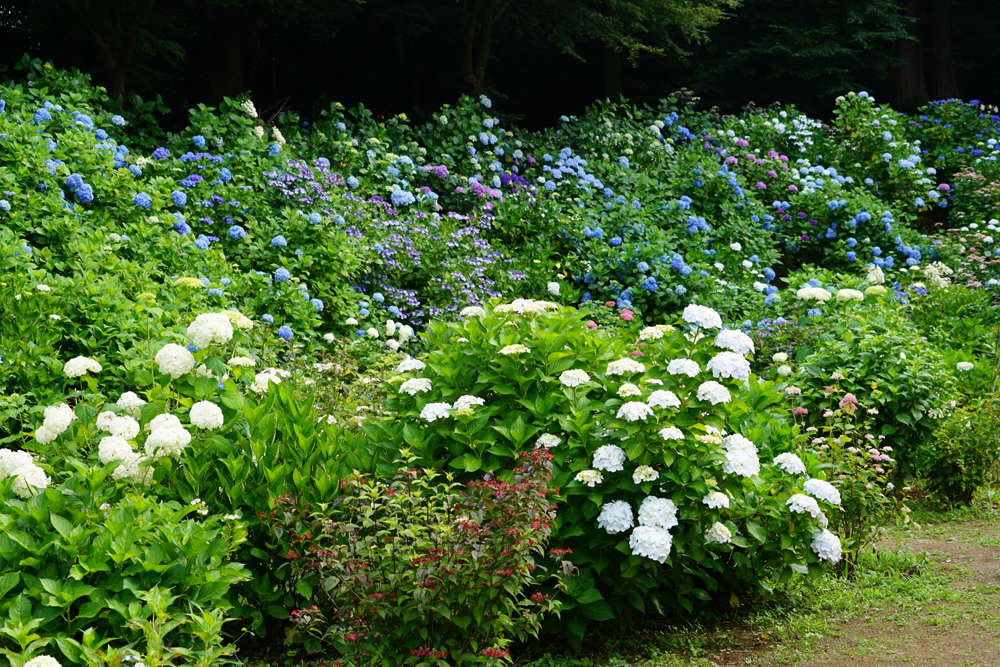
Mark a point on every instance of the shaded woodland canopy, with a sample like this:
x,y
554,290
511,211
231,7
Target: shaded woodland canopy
x,y
537,58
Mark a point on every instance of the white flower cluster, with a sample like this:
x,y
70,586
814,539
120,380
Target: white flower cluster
x,y
131,403
817,488
30,480
629,389
741,456
713,392
658,512
813,294
826,545
57,420
123,426
210,328
719,534
435,411
964,366
609,458
113,448
206,415
687,367
525,307
615,517
716,499
589,477
875,275
730,365
78,366
574,377
410,364
790,463
671,433
651,333
471,311
175,360
663,398
634,411
415,385
735,340
783,370
937,274
516,348
803,504
248,108
548,440
468,401
850,295
779,357
703,316
241,362
263,379
645,474
167,436
650,542
625,366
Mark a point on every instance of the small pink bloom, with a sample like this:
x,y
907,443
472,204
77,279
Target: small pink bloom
x,y
761,186
636,353
829,390
793,188
609,304
591,325
800,411
849,403
627,315
772,173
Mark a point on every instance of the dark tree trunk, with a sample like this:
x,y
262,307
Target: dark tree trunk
x,y
225,56
944,84
105,21
478,17
908,79
612,62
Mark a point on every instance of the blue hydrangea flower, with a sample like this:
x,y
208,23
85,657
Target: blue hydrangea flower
x,y
178,198
814,312
225,175
352,183
377,297
4,205
643,267
851,256
768,274
680,290
851,242
285,331
364,312
117,120
3,106
182,228
41,116
315,218
323,162
85,194
273,150
136,171
202,242
161,153
615,241
281,275
394,311
215,291
198,140
85,121
623,161
74,182
279,241
317,304
550,185
236,232
649,284
298,252
101,135
267,318
402,198
226,282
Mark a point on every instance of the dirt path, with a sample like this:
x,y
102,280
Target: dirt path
x,y
955,622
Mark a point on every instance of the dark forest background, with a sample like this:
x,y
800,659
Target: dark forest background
x,y
537,59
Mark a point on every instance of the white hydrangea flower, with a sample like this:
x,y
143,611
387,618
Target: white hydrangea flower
x,y
574,377
650,542
57,420
790,463
875,275
167,440
238,320
645,474
175,360
817,488
410,365
634,411
206,415
435,411
526,307
615,517
671,433
113,448
609,458
658,513
516,348
783,370
779,358
165,420
124,427
651,333
629,389
687,367
813,294
131,468
472,311
210,328
242,362
741,456
803,504
78,366
663,398
104,420
131,403
653,381
850,295
547,440
716,499
11,461
589,477
625,366
263,379
735,340
552,288
965,366
714,392
405,333
468,401
735,247
390,329
730,365
42,661
415,385
826,545
29,481
719,534
703,316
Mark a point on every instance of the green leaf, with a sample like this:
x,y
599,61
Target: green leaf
x,y
757,532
